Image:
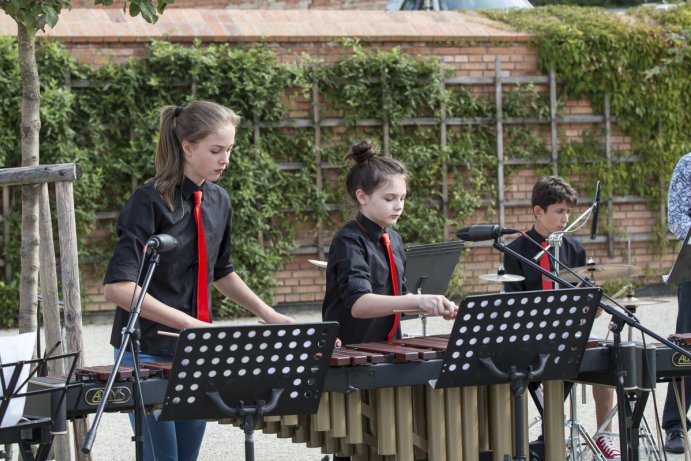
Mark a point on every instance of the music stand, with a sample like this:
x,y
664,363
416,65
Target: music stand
x,y
33,430
519,338
249,371
681,269
429,268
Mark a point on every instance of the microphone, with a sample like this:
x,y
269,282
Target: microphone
x,y
483,232
596,212
161,243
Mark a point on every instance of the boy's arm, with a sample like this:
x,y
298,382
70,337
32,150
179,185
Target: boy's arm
x,y
513,266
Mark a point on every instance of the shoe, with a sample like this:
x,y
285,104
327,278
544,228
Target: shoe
x,y
674,442
607,447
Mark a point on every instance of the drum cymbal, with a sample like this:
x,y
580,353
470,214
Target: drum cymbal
x,y
501,278
597,272
317,263
636,302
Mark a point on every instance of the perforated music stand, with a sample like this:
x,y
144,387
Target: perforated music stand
x,y
519,338
34,430
429,268
681,269
249,371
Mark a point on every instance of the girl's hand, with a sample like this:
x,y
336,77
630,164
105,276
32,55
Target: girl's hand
x,y
275,317
438,305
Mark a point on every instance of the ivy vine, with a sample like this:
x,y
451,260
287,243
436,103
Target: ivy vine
x,y
105,119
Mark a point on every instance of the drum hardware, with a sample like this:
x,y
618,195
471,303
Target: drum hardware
x,y
576,429
630,304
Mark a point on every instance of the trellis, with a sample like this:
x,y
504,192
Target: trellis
x,y
317,123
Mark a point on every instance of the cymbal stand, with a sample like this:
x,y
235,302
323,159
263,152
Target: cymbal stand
x,y
649,445
576,429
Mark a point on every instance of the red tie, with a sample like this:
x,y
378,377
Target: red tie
x,y
544,263
202,282
394,281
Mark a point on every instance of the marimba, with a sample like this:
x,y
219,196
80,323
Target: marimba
x,y
377,402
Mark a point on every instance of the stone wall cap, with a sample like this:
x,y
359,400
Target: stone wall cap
x,y
223,25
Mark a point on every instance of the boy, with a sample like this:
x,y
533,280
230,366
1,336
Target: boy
x,y
552,200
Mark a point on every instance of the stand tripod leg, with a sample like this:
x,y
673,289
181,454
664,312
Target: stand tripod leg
x,y
578,432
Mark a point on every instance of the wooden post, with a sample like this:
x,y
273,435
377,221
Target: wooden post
x,y
316,118
501,199
608,187
48,281
386,126
6,230
445,162
255,134
553,120
69,266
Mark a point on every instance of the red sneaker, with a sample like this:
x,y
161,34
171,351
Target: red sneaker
x,y
607,447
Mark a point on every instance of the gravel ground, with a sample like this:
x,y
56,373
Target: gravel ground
x,y
224,442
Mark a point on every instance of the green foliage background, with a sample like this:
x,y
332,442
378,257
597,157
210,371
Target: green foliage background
x,y
106,119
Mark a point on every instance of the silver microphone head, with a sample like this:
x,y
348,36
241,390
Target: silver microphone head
x,y
555,239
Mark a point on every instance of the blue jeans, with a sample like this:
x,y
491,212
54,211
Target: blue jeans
x,y
671,418
167,440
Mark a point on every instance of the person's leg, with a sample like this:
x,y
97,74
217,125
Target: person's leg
x,y
671,416
159,436
604,401
189,438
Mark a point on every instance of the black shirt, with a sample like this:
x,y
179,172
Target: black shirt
x,y
571,253
358,264
175,278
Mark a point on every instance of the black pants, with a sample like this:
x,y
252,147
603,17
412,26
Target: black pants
x,y
671,418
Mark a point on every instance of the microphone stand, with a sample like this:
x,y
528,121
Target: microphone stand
x,y
130,337
628,443
555,239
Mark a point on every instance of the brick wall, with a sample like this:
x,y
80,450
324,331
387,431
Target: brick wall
x,y
466,43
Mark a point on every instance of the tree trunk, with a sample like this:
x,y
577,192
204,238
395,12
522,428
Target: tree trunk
x,y
30,126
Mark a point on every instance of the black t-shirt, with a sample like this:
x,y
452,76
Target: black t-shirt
x,y
571,253
358,264
174,281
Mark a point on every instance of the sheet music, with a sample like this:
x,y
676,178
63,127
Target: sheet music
x,y
15,349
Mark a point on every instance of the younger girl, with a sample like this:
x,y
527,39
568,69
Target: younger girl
x,y
360,287
193,151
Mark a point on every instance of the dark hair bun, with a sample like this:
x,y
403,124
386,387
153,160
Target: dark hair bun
x,y
363,151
